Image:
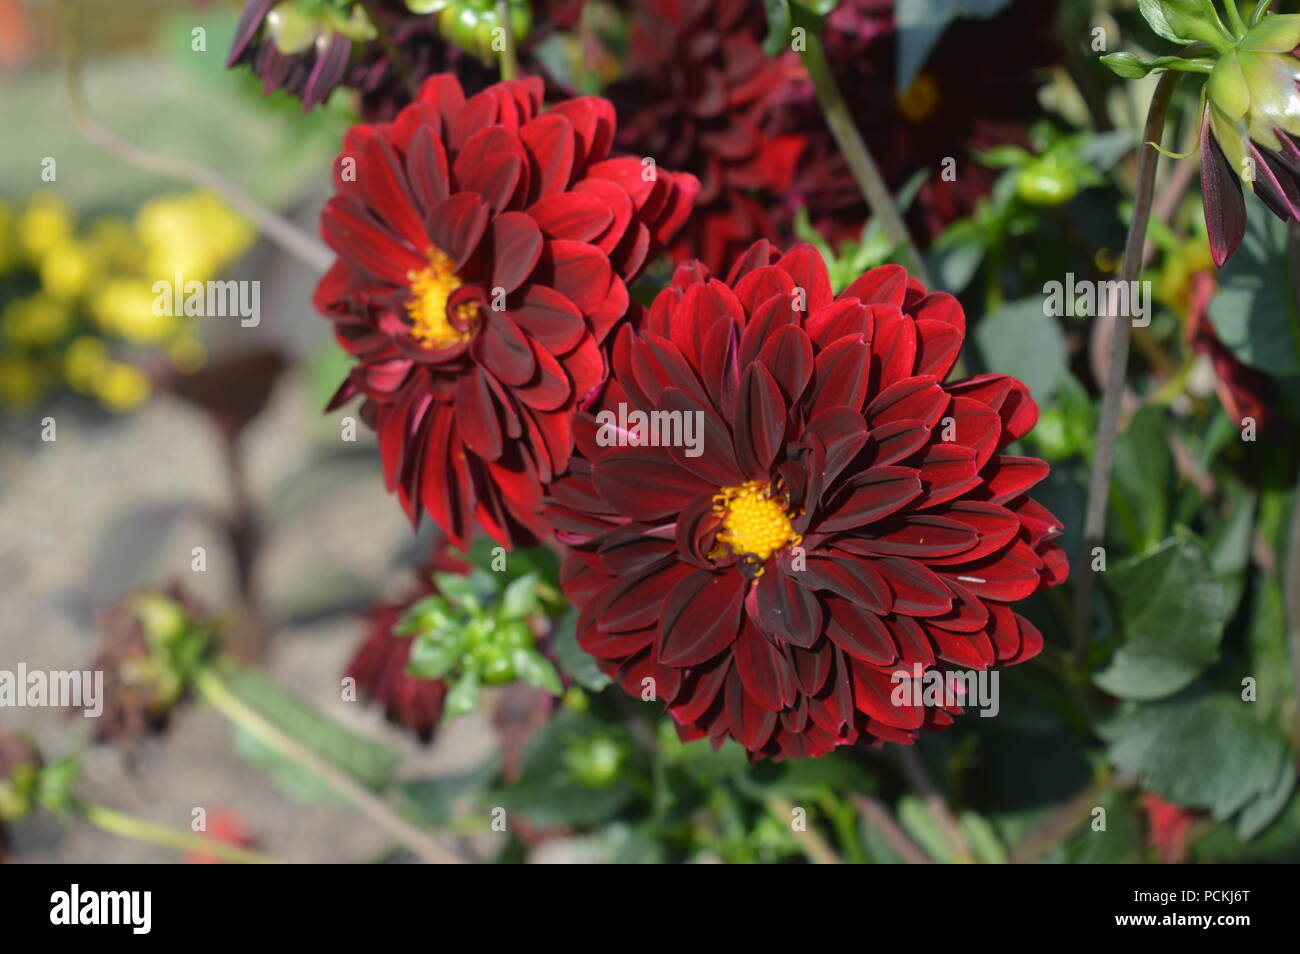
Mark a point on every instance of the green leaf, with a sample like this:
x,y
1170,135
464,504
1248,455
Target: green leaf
x,y
432,658
1144,468
369,762
580,666
1022,341
536,670
1130,66
462,698
836,773
432,800
984,841
465,591
1171,613
519,601
1198,750
1154,14
1254,313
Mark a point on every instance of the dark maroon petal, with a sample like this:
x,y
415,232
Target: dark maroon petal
x,y
859,632
968,650
712,459
750,723
895,441
913,645
700,688
326,71
250,21
760,422
764,670
843,433
785,610
788,355
644,483
1007,477
1225,207
548,141
550,318
884,285
869,497
636,600
491,164
917,398
947,471
848,577
457,225
893,347
968,611
516,248
573,215
995,525
426,169
917,591
1004,577
811,666
502,348
701,617
873,692
920,536
476,416
842,373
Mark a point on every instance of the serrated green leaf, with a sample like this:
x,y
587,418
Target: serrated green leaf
x,y
536,670
1171,615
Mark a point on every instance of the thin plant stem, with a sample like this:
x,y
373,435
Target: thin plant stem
x,y
1235,21
878,816
391,49
274,226
811,842
874,189
220,697
934,800
1103,461
1061,823
1291,584
509,61
138,829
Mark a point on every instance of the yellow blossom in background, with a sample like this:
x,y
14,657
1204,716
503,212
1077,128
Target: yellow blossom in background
x,y
1173,282
8,243
120,386
194,235
125,307
115,242
84,362
93,304
21,381
68,269
43,224
36,321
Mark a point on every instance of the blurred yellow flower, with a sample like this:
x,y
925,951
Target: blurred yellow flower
x,y
8,249
120,386
125,307
68,269
187,353
43,224
36,321
114,240
194,234
21,381
84,361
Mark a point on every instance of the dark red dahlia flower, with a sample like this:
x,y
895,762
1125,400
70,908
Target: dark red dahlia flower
x,y
1244,392
977,89
697,92
483,247
379,664
844,515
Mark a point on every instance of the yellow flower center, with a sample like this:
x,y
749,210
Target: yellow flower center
x,y
753,521
918,102
431,287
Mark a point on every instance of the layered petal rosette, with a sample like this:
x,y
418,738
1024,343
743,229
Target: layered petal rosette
x,y
483,246
840,519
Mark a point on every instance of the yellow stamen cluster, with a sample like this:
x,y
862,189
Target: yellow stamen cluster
x,y
753,521
431,287
919,101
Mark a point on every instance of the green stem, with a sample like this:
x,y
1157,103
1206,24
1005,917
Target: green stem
x,y
811,842
874,189
137,829
1234,18
1103,461
509,62
220,697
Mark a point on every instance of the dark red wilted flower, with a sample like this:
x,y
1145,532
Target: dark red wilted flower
x,y
697,91
850,515
483,247
976,90
1243,391
379,664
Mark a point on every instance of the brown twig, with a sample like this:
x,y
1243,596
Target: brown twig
x,y
879,817
934,800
